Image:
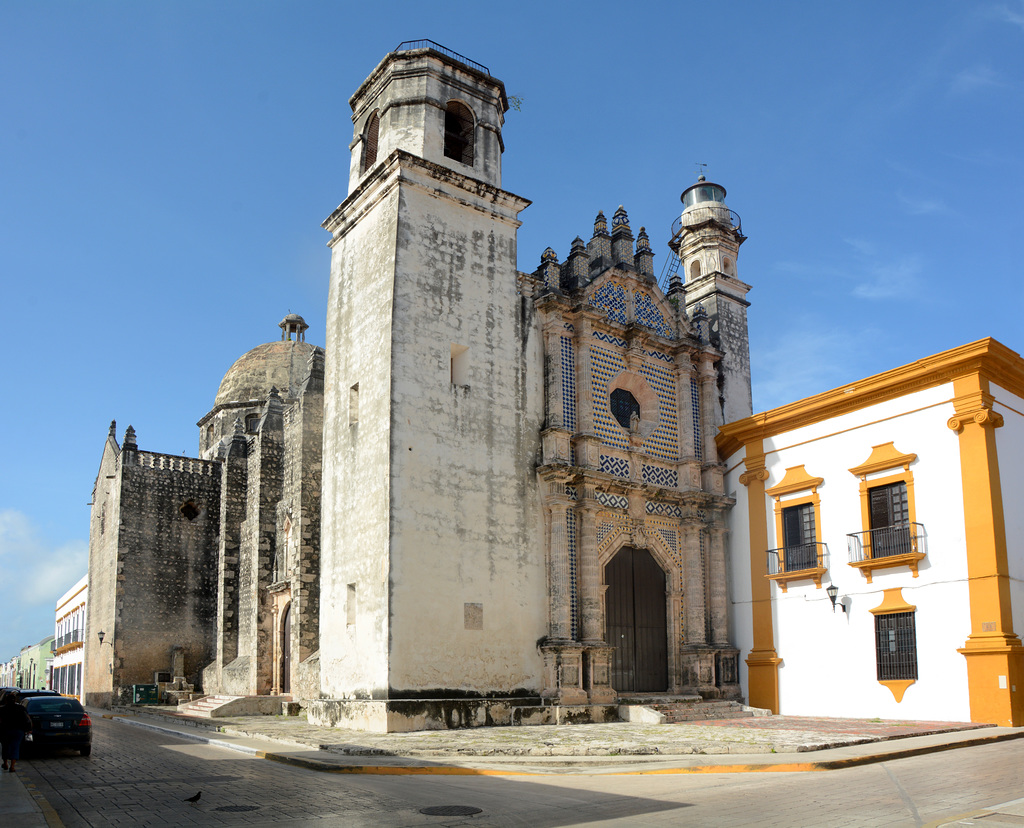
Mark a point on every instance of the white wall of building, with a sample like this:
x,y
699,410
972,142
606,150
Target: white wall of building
x,y
1010,447
828,659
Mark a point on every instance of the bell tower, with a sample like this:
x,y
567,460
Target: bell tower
x,y
708,243
431,103
428,549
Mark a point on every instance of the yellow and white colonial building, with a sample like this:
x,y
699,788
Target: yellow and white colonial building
x,y
69,640
876,553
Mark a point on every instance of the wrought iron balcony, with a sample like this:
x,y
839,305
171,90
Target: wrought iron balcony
x,y
888,546
71,637
798,562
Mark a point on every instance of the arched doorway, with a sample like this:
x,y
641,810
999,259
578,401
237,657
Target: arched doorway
x,y
635,622
286,650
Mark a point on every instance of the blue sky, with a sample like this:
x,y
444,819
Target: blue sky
x,y
166,167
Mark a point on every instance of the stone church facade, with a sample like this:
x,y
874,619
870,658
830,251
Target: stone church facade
x,y
495,498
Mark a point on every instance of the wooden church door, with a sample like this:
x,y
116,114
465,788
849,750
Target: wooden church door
x,y
635,622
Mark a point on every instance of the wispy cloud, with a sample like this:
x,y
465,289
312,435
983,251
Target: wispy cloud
x,y
917,206
889,280
35,575
810,356
1014,16
974,79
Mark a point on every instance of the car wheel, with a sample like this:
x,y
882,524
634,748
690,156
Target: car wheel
x,y
86,750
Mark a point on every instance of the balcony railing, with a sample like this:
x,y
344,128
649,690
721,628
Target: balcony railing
x,y
797,558
410,45
887,542
889,546
71,637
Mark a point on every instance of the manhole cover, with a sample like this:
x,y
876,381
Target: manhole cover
x,y
450,810
236,809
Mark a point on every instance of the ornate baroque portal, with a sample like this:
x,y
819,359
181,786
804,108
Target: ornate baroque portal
x,y
632,486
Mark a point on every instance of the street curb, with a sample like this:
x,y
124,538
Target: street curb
x,y
829,764
48,812
194,736
456,770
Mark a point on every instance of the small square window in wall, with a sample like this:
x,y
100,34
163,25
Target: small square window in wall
x,y
460,365
473,616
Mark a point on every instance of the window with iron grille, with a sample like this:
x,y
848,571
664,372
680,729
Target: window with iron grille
x,y
370,135
799,539
624,405
458,133
896,646
890,520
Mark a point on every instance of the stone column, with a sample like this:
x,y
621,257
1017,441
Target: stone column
x,y
553,327
693,580
709,419
584,386
591,609
559,572
718,588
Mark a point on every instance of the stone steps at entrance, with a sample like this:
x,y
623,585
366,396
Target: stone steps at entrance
x,y
205,706
213,706
698,711
675,709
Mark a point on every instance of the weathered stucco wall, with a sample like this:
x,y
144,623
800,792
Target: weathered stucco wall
x,y
468,582
354,623
103,532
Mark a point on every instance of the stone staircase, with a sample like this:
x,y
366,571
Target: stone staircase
x,y
676,709
216,706
206,707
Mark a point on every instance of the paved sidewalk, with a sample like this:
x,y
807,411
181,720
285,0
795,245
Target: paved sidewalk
x,y
18,807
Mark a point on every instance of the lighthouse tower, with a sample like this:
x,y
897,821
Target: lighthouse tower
x,y
708,243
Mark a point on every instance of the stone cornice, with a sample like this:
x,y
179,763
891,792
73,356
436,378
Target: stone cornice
x,y
403,167
985,357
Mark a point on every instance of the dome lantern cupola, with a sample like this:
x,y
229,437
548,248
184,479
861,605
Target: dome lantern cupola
x,y
293,324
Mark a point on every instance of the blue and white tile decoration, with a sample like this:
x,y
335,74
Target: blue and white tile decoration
x,y
667,509
663,441
612,501
698,446
657,476
570,526
605,365
648,315
568,357
661,356
611,340
571,492
614,465
611,298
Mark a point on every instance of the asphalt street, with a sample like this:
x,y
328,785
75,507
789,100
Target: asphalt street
x,y
138,777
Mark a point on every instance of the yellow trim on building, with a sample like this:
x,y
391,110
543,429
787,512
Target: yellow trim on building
x,y
762,661
995,657
884,457
796,479
988,357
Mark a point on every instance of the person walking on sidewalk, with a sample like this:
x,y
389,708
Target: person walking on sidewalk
x,y
14,724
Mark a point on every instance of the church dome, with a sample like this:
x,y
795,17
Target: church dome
x,y
283,365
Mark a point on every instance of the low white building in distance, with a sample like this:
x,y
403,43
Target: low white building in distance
x,y
876,555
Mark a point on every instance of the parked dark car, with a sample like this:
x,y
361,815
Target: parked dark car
x,y
25,693
58,722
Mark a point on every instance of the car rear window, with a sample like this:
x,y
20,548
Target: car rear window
x,y
51,704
